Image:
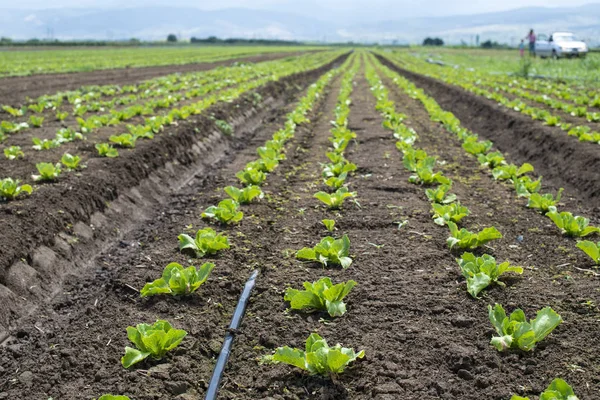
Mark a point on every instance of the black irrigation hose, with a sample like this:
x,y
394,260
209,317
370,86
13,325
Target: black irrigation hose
x,y
236,320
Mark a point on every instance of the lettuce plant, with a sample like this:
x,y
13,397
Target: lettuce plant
x,y
207,241
225,212
512,172
36,121
140,131
126,140
336,182
151,340
65,135
15,112
465,239
442,213
328,251
46,144
412,157
516,333
263,165
70,162
112,397
245,195
571,225
10,189
13,152
106,150
329,224
425,175
335,199
251,176
477,147
591,249
48,172
440,194
177,280
544,203
317,358
491,160
336,169
558,390
61,115
321,295
482,271
525,186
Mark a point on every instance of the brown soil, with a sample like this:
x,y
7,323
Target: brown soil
x,y
15,90
559,158
424,336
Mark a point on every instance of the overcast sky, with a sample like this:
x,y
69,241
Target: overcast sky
x,y
373,9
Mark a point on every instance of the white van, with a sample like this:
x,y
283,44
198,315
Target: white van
x,y
560,44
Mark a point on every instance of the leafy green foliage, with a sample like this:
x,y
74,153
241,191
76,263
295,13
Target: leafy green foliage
x,y
106,150
207,241
61,116
245,195
46,144
591,249
505,172
465,239
13,152
482,271
48,172
151,340
328,251
515,332
15,112
251,176
70,161
317,358
491,160
320,295
425,175
329,224
225,212
113,397
558,390
224,127
9,188
126,140
336,182
440,194
177,280
338,168
336,199
36,121
571,225
65,135
411,158
544,202
525,186
477,148
442,213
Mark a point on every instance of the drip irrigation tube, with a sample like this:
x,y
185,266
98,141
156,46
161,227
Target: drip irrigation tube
x,y
236,320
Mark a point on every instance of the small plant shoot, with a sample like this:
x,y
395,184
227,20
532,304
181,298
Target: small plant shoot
x,y
206,241
482,271
151,341
464,239
321,295
226,212
178,281
328,251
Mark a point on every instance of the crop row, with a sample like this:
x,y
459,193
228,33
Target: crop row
x,y
10,188
177,280
514,332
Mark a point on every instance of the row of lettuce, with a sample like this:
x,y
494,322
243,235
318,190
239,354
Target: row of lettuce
x,y
319,357
480,271
497,88
11,188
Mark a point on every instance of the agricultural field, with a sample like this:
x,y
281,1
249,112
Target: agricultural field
x,y
387,227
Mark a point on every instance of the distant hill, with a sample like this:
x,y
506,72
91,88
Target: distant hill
x,y
154,23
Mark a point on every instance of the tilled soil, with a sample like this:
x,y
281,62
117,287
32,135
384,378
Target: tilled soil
x,y
424,336
15,90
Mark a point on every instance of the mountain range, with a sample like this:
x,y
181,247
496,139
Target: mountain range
x,y
154,23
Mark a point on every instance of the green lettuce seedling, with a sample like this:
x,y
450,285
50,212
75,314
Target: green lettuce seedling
x,y
15,112
65,135
207,241
328,251
544,203
525,186
329,224
10,189
321,295
124,140
106,150
477,147
151,340
451,212
250,176
571,225
591,249
491,160
70,161
425,175
482,271
318,357
177,280
113,397
516,333
558,390
412,157
46,144
337,169
48,172
336,182
440,194
336,199
13,152
225,212
245,195
61,115
512,172
464,239
262,165
36,121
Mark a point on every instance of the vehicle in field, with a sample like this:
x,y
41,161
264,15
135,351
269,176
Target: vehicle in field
x,y
560,44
